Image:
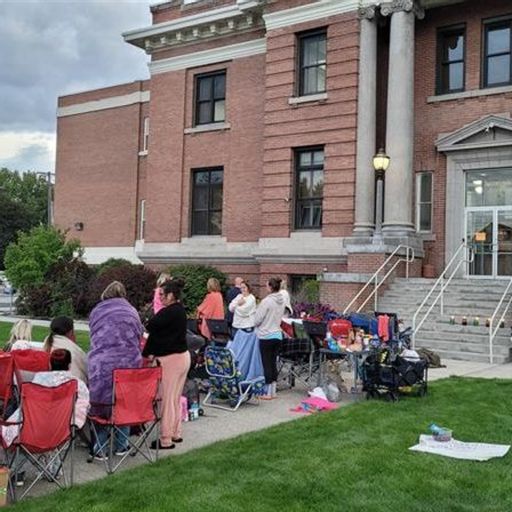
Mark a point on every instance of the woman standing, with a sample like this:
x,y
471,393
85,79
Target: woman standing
x,y
115,335
212,307
167,343
268,318
157,303
243,307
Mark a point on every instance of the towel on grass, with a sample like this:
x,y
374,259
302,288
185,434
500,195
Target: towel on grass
x,y
460,450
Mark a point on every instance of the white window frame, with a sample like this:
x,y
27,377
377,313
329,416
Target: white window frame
x,y
142,219
145,136
419,203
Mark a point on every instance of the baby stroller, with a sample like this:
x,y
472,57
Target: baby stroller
x,y
390,375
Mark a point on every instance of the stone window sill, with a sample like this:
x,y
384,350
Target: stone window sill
x,y
469,94
143,153
299,100
213,127
427,237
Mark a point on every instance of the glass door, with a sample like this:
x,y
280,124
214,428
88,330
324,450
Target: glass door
x,y
480,235
504,243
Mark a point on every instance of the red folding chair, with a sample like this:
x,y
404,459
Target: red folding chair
x,y
6,381
47,428
31,360
135,404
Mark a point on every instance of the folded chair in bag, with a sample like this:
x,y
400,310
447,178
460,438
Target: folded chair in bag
x,y
46,433
226,381
135,404
6,382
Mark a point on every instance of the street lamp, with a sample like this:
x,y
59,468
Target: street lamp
x,y
48,176
380,165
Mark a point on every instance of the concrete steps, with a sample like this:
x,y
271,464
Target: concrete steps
x,y
463,297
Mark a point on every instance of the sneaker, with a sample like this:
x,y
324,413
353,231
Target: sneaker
x,y
122,452
20,480
100,456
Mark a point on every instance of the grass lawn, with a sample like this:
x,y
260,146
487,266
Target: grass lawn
x,y
354,459
40,333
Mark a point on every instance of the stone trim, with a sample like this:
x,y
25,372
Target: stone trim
x,y
97,255
104,104
309,12
469,94
211,127
205,57
297,100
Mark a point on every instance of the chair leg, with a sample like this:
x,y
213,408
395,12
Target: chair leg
x,y
111,449
72,457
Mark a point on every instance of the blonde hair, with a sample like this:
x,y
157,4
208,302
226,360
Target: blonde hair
x,y
21,330
162,278
114,290
213,285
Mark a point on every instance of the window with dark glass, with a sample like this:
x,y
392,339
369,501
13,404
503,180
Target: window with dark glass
x,y
207,187
451,53
309,188
312,62
210,98
424,202
497,53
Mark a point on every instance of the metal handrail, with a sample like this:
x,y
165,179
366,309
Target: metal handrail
x,y
492,333
409,258
444,285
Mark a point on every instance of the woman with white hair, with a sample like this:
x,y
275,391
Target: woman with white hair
x,y
20,337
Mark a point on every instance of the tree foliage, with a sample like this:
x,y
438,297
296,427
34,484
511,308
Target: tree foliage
x,y
29,258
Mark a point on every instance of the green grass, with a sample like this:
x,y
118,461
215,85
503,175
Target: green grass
x,y
40,333
354,459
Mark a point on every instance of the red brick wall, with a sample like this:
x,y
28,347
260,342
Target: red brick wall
x,y
332,124
446,116
97,175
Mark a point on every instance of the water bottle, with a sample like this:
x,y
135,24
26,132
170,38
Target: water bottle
x,y
331,342
195,411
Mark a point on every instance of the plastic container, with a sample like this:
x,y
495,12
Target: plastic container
x,y
443,435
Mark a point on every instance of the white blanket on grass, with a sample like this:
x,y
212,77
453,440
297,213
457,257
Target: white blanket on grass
x,y
460,450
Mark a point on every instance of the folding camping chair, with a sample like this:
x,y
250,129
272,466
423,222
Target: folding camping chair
x,y
47,433
135,392
226,381
30,361
6,382
296,357
219,330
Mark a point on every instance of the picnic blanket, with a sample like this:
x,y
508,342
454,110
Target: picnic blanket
x,y
460,450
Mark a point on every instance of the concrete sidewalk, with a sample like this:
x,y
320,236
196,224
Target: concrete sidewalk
x,y
80,325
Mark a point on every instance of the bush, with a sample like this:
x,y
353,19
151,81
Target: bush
x,y
112,263
138,280
308,292
29,258
64,292
196,277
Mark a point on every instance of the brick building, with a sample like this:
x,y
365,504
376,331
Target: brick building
x,y
250,147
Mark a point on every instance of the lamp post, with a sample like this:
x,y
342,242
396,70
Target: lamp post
x,y
380,165
48,176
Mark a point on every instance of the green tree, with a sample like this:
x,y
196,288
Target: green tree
x,y
28,189
29,258
15,217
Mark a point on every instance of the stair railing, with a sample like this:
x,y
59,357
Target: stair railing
x,y
463,255
493,331
409,258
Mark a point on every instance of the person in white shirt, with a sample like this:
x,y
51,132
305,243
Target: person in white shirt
x,y
243,307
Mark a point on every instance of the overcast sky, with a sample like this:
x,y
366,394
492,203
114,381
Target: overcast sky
x,y
53,47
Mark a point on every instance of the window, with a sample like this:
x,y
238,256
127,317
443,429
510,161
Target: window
x,y
142,219
312,62
497,53
301,281
211,98
309,188
424,202
207,201
145,135
450,60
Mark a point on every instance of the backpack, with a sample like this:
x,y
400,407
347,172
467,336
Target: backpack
x,y
433,359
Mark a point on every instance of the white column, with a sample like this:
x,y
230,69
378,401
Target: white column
x,y
398,208
366,123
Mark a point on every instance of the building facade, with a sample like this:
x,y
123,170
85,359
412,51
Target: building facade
x,y
250,147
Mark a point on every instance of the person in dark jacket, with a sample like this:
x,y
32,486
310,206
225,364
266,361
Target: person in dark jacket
x,y
167,343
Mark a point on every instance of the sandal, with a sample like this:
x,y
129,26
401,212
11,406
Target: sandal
x,y
157,444
177,439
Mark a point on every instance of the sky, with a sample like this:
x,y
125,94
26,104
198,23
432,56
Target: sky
x,y
50,48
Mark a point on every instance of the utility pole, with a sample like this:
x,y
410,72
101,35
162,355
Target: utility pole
x,y
48,175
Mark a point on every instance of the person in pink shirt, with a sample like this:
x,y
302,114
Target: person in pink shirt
x,y
157,301
212,307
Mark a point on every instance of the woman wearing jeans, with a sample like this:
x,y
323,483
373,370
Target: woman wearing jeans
x,y
268,328
167,343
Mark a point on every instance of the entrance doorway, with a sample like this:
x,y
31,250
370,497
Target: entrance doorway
x,y
488,219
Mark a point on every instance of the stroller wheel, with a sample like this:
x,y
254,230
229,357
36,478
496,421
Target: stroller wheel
x,y
201,411
372,394
422,391
391,396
